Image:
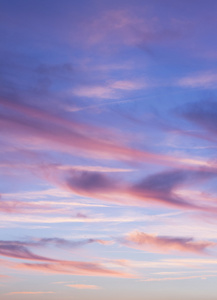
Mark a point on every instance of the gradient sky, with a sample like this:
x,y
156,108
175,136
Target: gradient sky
x,y
108,118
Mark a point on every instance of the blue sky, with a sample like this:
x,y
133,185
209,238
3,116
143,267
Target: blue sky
x,y
108,118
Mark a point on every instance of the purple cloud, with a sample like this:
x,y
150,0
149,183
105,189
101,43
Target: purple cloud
x,y
158,188
91,182
18,250
204,114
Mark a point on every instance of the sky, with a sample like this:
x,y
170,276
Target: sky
x,y
108,118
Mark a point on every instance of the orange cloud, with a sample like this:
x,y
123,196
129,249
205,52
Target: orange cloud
x,y
84,286
29,293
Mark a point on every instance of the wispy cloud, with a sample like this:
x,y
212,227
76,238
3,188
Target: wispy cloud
x,y
102,92
73,268
38,129
56,266
84,286
28,293
19,249
205,80
98,177
179,278
112,90
8,219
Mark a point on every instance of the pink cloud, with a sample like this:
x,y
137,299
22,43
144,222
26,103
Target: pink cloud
x,y
165,244
72,268
84,286
203,80
40,129
47,208
15,206
103,92
34,128
111,90
129,85
81,268
19,250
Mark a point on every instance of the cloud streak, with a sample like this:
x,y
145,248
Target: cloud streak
x,y
39,129
72,268
206,80
47,265
19,250
28,293
84,286
179,278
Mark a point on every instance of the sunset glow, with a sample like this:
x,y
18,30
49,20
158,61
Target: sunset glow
x,y
108,117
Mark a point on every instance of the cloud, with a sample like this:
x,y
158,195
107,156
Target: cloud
x,y
84,286
22,207
94,169
39,129
111,90
164,188
30,128
104,92
157,188
28,293
129,85
48,208
203,114
191,262
18,250
49,130
198,265
8,220
161,187
4,276
165,244
205,80
90,182
178,278
73,268
59,242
